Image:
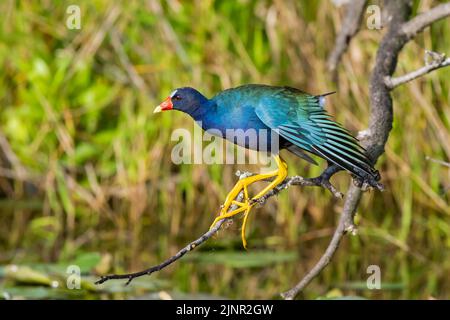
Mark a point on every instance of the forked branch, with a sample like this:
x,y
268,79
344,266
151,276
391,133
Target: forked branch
x,y
433,61
400,31
321,181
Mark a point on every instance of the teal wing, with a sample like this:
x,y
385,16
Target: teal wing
x,y
301,119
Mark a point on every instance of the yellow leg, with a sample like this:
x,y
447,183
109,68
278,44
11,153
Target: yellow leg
x,y
280,174
244,227
242,185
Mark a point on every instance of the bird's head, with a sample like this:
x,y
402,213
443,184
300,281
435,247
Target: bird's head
x,y
184,99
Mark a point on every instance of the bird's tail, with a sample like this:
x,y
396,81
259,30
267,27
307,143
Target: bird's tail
x,y
353,160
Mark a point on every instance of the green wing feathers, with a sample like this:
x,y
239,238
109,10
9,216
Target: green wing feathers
x,y
305,123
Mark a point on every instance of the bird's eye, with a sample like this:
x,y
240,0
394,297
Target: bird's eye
x,y
176,97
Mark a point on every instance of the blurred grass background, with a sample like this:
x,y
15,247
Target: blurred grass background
x,y
86,176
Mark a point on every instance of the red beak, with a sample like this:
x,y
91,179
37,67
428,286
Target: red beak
x,y
165,105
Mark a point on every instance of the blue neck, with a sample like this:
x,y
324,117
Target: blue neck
x,y
203,107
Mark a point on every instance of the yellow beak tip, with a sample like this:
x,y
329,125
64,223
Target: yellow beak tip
x,y
157,109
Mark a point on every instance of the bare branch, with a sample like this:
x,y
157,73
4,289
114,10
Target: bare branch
x,y
380,124
321,181
423,20
345,225
439,61
352,21
191,246
444,163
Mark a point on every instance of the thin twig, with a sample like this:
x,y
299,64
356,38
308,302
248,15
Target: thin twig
x,y
191,246
439,61
304,182
444,163
321,181
423,20
354,12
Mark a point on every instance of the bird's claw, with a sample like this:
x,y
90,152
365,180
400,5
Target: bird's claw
x,y
248,203
366,184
